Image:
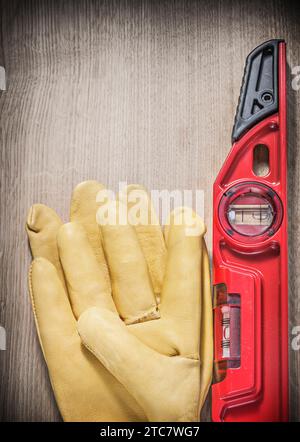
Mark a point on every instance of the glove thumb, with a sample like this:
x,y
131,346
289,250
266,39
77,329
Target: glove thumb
x,y
167,388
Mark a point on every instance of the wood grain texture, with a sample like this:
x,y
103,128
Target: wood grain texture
x,y
136,91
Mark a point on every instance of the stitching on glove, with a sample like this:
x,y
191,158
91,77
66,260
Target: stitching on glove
x,y
194,356
34,308
93,351
151,314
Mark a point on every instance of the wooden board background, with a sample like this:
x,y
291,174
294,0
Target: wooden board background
x,y
136,91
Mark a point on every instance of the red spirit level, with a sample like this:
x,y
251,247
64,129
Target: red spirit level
x,y
250,250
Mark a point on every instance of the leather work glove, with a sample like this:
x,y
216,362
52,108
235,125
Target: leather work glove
x,y
123,313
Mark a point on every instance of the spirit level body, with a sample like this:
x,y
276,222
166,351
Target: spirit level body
x,y
250,273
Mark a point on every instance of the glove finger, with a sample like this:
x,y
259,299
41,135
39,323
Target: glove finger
x,y
206,339
142,216
181,294
52,311
83,210
86,280
42,226
131,284
84,389
166,388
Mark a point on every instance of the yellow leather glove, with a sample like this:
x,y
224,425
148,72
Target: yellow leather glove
x,y
144,308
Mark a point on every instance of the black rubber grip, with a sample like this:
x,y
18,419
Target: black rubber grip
x,y
259,91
